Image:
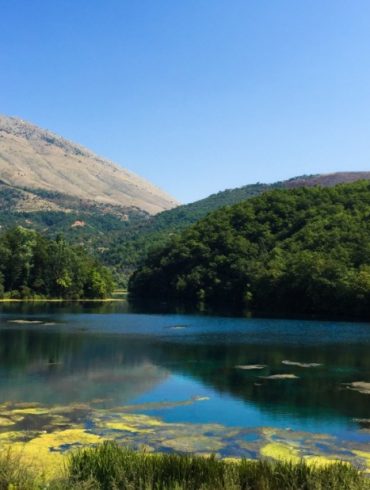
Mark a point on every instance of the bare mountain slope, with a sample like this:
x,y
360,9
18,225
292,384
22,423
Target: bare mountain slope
x,y
326,180
33,158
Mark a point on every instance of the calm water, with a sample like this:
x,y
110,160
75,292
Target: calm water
x,y
183,368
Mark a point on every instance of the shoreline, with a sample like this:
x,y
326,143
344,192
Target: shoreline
x,y
105,300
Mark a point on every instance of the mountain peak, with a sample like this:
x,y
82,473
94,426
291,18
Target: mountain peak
x,y
34,158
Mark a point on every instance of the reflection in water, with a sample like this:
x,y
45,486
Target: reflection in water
x,y
249,374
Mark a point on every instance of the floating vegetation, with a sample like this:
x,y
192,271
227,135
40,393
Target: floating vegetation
x,y
194,444
280,376
44,435
161,405
25,322
301,364
282,452
360,386
251,367
365,456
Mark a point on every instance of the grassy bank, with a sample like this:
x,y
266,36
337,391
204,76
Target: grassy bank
x,y
109,466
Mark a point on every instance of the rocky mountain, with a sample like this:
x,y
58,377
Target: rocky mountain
x,y
41,167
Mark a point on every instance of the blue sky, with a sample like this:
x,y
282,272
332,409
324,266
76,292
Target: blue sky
x,y
195,95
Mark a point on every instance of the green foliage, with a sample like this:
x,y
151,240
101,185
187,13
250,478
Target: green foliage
x,y
129,247
303,250
120,243
14,474
34,266
109,466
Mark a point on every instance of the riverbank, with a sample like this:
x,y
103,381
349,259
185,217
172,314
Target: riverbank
x,y
109,466
118,295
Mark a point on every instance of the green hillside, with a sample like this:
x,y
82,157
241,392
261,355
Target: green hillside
x,y
121,237
129,247
304,250
55,213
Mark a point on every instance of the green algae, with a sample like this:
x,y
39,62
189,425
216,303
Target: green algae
x,y
281,452
194,444
45,435
365,457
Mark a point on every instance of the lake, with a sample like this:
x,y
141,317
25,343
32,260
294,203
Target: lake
x,y
72,375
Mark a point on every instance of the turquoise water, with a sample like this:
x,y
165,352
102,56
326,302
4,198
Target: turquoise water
x,y
155,362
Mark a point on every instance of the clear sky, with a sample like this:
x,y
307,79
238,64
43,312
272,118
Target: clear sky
x,y
195,95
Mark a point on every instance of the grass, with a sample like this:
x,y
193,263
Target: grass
x,y
111,467
14,474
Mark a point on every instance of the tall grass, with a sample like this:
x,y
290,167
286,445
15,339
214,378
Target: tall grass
x,y
109,466
15,474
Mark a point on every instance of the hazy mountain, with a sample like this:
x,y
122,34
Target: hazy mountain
x,y
34,160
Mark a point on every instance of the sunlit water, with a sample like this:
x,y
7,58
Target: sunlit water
x,y
185,369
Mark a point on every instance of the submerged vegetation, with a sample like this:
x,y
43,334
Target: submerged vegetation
x,y
32,266
303,250
50,438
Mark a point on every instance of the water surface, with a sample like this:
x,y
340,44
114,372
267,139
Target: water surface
x,y
181,375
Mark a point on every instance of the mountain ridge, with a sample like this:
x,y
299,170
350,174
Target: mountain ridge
x,y
32,158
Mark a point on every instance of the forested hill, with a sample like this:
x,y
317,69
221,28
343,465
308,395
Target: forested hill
x,y
304,250
128,247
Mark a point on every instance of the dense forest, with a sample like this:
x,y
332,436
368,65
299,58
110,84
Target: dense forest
x,y
304,250
120,237
32,266
129,247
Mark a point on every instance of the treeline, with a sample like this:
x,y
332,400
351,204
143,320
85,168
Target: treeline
x,y
303,250
34,266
